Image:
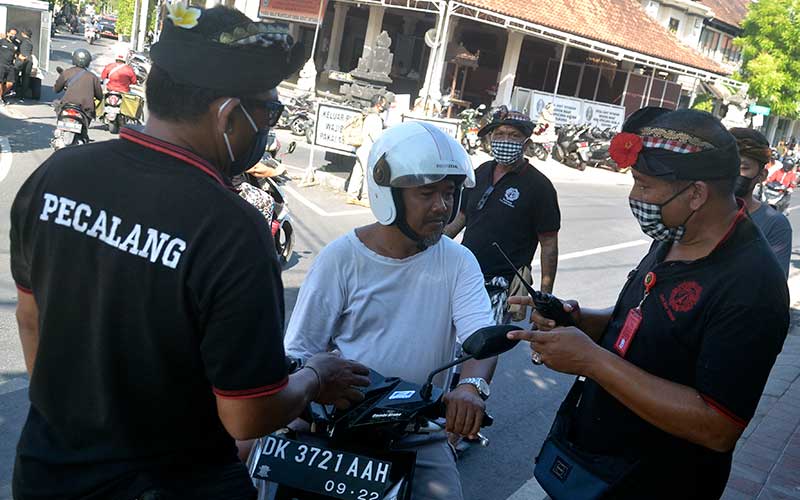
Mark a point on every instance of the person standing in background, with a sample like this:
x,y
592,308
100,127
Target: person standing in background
x,y
357,193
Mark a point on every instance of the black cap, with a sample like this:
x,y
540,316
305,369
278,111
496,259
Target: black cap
x,y
504,116
715,152
247,57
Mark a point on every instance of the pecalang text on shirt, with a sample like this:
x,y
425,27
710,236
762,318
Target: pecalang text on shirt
x,y
80,217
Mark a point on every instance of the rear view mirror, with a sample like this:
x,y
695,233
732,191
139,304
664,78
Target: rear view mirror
x,y
490,341
292,147
59,69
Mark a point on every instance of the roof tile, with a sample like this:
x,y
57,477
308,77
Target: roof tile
x,y
730,12
622,23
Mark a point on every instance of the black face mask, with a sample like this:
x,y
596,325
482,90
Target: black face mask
x,y
743,187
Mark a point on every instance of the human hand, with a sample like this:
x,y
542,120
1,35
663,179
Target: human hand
x,y
567,350
465,410
339,379
546,324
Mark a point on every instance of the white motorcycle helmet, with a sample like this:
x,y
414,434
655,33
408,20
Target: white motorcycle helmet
x,y
409,155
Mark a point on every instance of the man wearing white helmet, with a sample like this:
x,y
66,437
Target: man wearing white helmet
x,y
395,295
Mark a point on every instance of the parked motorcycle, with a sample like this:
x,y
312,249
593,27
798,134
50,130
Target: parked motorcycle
x,y
281,225
358,453
140,63
468,128
593,148
566,148
775,195
542,141
298,114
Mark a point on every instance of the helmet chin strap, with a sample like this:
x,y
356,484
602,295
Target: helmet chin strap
x,y
402,224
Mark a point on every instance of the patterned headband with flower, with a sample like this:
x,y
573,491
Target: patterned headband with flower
x,y
625,147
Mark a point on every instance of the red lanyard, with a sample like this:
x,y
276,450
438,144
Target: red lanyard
x,y
634,319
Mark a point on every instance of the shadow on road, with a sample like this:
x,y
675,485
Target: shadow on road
x,y
31,136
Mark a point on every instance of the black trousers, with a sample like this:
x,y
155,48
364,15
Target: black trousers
x,y
24,68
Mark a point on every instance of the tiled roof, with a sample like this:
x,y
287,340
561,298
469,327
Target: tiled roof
x,y
730,12
622,23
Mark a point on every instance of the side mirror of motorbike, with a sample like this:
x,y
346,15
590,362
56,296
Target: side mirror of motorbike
x,y
292,147
59,69
490,341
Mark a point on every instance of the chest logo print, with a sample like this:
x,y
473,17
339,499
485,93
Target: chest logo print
x,y
685,296
511,195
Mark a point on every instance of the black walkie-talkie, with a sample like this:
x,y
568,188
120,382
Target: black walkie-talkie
x,y
548,305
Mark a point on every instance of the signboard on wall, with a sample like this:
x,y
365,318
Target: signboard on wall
x,y
297,11
574,111
328,127
448,126
603,115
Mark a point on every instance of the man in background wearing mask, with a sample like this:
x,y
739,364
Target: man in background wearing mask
x,y
754,152
512,204
150,300
675,370
357,192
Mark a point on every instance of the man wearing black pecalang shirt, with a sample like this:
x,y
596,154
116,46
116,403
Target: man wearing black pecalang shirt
x,y
675,370
150,299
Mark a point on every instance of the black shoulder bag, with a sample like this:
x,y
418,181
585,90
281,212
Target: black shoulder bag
x,y
568,473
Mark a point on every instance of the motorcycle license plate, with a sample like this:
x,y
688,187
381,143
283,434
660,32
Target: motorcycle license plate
x,y
69,126
317,469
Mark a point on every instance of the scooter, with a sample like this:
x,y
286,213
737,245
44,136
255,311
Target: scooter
x,y
72,127
359,453
298,115
542,141
281,226
115,115
469,128
90,35
566,148
776,195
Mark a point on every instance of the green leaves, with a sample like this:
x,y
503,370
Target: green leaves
x,y
771,54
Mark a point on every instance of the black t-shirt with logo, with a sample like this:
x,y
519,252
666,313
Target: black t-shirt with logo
x,y
522,206
715,324
158,288
8,49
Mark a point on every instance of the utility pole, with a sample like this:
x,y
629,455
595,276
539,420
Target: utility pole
x,y
144,10
135,25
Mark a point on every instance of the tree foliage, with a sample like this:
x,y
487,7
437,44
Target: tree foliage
x,y
771,54
125,11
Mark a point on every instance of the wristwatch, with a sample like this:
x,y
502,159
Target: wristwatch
x,y
480,384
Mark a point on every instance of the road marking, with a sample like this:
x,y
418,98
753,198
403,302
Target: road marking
x,y
529,491
13,385
318,210
6,158
792,209
12,113
599,250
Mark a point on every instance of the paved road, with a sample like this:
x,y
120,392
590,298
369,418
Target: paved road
x,y
599,243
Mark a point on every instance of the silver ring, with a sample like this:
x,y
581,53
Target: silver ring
x,y
536,358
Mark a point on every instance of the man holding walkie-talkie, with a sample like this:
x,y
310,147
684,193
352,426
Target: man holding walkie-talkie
x,y
669,377
514,205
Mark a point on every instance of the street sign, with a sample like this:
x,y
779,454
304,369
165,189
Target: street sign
x,y
328,127
759,110
447,125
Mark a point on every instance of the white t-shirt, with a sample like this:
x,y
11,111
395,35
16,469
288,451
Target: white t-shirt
x,y
400,317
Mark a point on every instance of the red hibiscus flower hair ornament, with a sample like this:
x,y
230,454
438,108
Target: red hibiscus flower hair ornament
x,y
625,148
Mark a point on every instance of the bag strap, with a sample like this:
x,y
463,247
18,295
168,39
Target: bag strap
x,y
76,77
114,71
